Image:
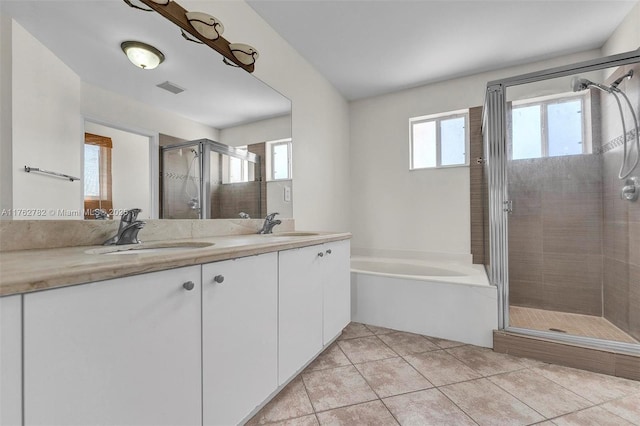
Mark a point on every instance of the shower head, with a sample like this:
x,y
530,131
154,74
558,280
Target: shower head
x,y
616,83
195,153
578,84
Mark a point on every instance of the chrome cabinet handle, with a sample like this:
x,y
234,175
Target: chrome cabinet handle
x,y
329,251
189,285
218,278
320,254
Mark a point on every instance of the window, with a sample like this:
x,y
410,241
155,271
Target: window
x,y
279,163
549,127
235,170
97,174
439,140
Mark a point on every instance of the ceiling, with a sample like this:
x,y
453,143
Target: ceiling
x,y
370,47
86,35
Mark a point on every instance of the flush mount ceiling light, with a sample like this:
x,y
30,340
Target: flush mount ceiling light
x,y
142,55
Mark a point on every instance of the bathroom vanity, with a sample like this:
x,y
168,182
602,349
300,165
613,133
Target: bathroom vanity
x,y
192,336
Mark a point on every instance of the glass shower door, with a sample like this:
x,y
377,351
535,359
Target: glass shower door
x,y
571,267
181,185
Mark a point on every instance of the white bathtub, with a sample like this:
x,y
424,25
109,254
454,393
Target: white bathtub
x,y
442,299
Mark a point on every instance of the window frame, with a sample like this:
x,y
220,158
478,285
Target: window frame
x,y
438,118
544,102
244,171
271,170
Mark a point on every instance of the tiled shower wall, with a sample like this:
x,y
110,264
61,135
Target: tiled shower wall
x,y
229,199
555,233
621,249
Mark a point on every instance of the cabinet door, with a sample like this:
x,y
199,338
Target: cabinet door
x,y
239,336
337,288
122,351
300,308
11,360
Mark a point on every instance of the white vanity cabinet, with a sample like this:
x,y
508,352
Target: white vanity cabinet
x,y
336,276
314,302
239,336
300,308
122,351
11,360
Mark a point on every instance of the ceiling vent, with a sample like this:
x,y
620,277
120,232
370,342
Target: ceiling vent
x,y
171,87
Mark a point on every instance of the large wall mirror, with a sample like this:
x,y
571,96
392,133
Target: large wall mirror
x,y
80,107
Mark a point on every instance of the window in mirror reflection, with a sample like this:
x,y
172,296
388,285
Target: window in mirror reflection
x,y
279,159
97,174
235,170
91,170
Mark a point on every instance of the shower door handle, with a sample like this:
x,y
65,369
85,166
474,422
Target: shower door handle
x,y
508,206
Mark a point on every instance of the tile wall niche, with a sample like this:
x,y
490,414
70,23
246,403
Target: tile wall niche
x,y
621,229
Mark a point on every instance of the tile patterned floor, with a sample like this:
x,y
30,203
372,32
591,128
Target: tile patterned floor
x,y
576,324
377,376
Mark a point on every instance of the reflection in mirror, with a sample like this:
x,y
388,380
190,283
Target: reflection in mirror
x,y
72,75
116,171
208,180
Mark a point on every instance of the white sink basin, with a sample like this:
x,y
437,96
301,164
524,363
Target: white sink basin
x,y
160,247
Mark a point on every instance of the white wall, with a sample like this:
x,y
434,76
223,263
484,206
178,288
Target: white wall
x,y
46,129
104,106
393,208
627,36
258,131
320,122
276,198
6,177
130,169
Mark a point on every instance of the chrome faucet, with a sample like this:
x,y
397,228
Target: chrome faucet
x,y
269,223
128,229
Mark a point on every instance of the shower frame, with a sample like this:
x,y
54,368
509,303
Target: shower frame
x,y
205,148
494,126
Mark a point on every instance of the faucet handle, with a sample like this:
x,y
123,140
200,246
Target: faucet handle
x,y
100,214
130,215
271,216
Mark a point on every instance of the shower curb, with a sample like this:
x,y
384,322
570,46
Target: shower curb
x,y
566,354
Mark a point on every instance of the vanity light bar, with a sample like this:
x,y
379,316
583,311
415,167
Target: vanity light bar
x,y
178,15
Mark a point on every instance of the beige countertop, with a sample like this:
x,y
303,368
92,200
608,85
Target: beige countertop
x,y
24,271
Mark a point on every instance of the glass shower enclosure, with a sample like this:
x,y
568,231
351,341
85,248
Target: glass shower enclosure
x,y
204,179
561,153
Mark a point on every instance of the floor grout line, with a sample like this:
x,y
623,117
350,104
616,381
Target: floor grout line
x,y
537,369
